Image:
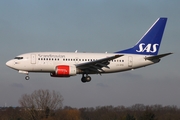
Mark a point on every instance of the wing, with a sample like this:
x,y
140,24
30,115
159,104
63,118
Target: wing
x,y
97,65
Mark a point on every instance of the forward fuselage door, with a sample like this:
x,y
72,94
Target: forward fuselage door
x,y
130,61
33,59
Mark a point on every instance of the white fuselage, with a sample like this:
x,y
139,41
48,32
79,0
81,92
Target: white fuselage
x,y
47,61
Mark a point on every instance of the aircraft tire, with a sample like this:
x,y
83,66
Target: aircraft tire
x,y
27,77
88,78
83,79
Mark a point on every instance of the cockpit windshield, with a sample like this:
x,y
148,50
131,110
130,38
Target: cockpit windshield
x,y
19,58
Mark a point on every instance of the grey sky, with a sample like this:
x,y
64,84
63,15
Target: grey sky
x,y
90,26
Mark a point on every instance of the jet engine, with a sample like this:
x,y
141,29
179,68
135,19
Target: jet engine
x,y
64,71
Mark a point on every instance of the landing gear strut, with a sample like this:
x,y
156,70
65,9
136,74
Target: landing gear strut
x,y
27,77
85,78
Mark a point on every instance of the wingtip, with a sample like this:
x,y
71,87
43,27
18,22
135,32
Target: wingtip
x,y
170,53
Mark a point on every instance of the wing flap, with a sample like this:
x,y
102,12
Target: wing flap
x,y
103,65
94,70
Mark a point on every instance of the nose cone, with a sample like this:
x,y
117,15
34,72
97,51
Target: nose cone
x,y
9,63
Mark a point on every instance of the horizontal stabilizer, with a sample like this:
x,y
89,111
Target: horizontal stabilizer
x,y
157,56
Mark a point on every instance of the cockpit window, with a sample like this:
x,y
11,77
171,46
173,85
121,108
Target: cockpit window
x,y
19,58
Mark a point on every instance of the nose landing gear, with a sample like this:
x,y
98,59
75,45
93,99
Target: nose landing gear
x,y
25,72
27,77
85,78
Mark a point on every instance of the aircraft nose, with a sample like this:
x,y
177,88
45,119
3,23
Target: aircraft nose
x,y
9,63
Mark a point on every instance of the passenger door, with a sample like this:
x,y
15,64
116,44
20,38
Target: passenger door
x,y
33,59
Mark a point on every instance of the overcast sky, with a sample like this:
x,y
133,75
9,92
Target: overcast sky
x,y
90,26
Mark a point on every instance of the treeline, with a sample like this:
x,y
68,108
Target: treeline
x,y
47,105
135,112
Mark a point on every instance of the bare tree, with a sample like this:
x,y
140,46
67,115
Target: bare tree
x,y
41,103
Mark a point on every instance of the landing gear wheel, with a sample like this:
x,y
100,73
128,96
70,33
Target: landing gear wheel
x,y
85,78
88,78
27,77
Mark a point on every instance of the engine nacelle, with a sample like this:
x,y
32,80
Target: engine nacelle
x,y
64,71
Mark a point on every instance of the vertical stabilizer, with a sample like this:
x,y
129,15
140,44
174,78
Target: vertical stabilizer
x,y
150,42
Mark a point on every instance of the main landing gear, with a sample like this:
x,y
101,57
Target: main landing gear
x,y
85,78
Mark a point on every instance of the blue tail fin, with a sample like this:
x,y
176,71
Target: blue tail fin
x,y
149,44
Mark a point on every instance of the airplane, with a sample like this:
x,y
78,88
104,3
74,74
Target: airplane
x,y
66,64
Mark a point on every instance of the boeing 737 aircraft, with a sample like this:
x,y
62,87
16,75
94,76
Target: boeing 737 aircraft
x,y
66,64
